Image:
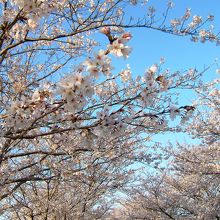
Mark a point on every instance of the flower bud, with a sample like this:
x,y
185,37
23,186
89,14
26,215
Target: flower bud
x,y
127,36
105,30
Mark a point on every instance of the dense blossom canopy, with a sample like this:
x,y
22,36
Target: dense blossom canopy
x,y
71,127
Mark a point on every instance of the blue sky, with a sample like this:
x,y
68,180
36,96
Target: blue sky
x,y
180,53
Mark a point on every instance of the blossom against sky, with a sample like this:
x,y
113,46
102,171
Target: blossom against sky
x,y
180,53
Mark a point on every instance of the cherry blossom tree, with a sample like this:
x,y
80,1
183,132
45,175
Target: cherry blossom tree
x,y
70,128
190,187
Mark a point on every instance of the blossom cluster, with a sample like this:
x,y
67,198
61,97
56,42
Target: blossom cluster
x,y
100,63
75,90
180,26
154,82
22,16
118,46
110,123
